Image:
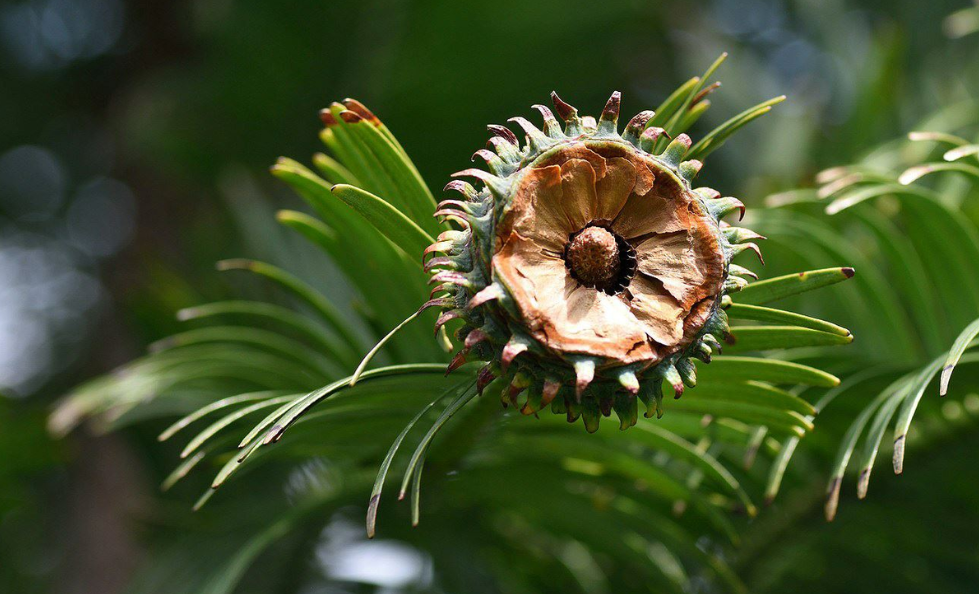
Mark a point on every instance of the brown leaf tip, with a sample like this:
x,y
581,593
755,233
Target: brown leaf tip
x,y
359,108
611,111
638,122
565,110
372,515
326,116
350,117
504,132
703,93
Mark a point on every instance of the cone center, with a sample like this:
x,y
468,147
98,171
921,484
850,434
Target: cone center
x,y
594,257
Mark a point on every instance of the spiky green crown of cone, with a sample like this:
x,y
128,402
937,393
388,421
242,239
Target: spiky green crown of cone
x,y
496,328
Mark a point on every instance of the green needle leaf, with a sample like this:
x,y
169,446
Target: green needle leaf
x,y
961,344
768,370
370,354
761,338
300,289
226,420
467,394
333,172
181,471
773,289
718,136
214,406
913,174
382,471
751,392
784,318
394,225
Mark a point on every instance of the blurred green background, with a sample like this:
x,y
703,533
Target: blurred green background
x,y
134,145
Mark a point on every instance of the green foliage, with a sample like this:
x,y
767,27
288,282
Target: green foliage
x,y
284,371
914,220
221,83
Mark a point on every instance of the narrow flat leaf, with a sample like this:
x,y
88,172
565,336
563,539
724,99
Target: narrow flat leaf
x,y
773,289
869,297
718,136
945,235
215,427
913,174
788,448
782,420
863,194
663,440
669,107
370,354
783,318
688,98
913,282
960,152
690,117
754,444
381,271
300,289
464,397
385,466
181,471
316,231
311,399
778,468
955,353
267,422
261,339
846,450
875,434
768,370
416,488
356,157
416,199
214,406
850,180
924,135
394,225
916,389
751,392
761,338
333,171
275,315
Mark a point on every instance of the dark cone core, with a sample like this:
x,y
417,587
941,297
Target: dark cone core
x,y
594,256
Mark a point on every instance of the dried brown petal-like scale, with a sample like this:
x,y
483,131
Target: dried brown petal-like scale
x,y
576,192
